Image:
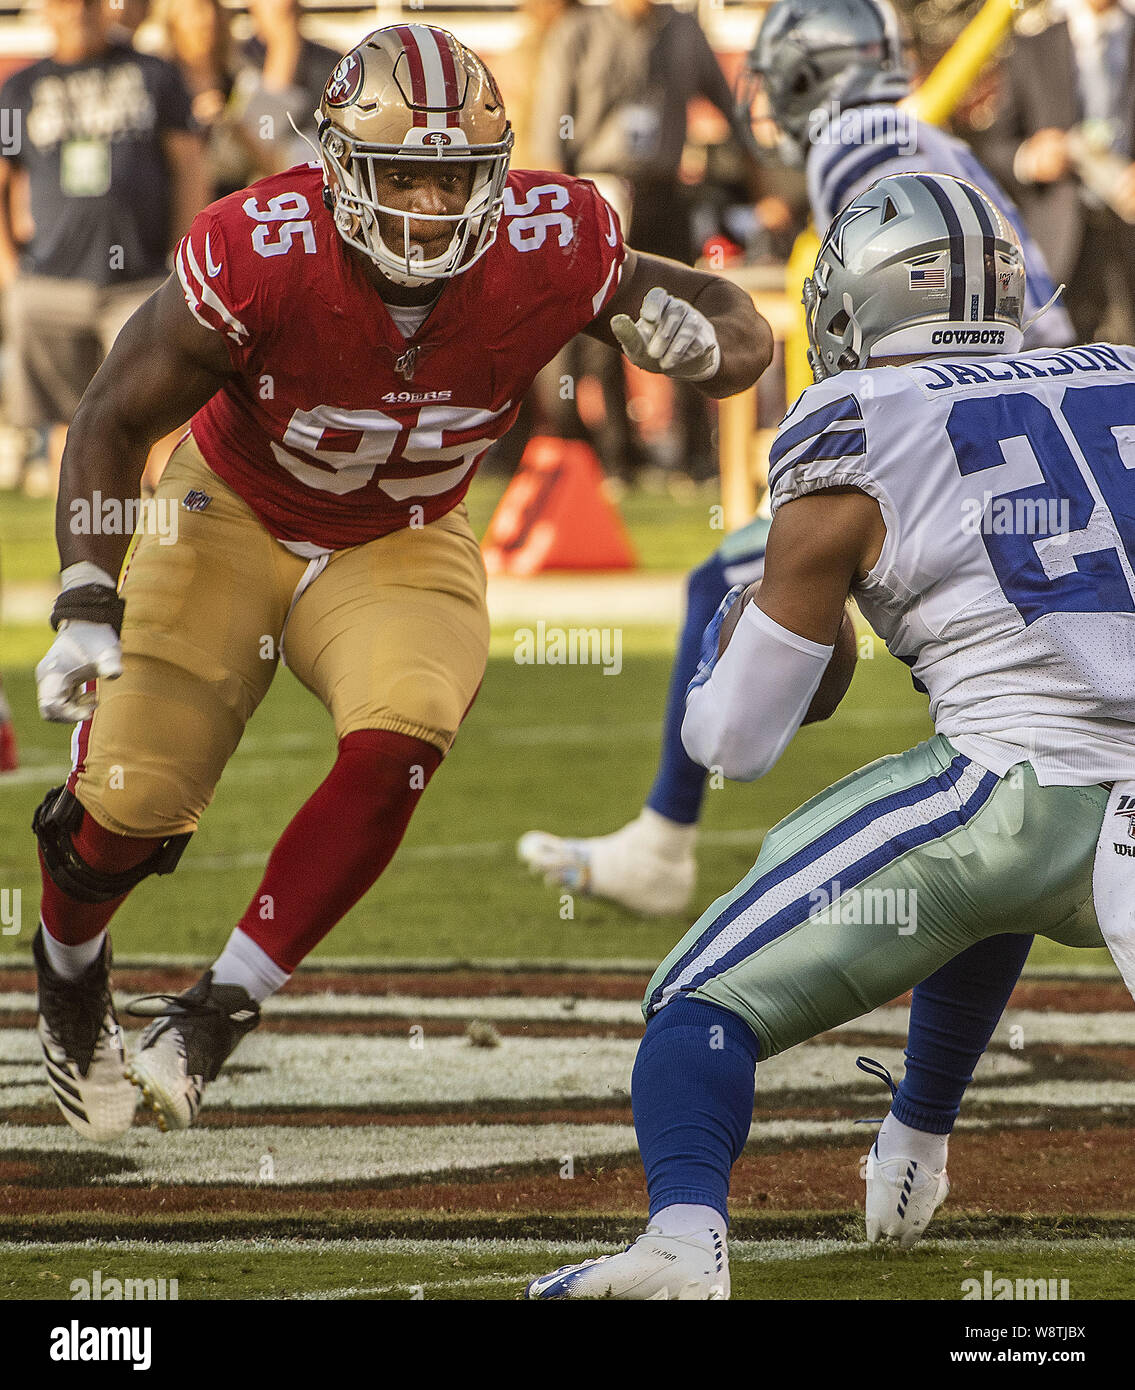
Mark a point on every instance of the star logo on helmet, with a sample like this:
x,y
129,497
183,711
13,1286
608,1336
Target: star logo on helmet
x,y
839,231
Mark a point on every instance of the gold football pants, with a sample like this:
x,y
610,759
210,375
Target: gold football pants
x,y
393,634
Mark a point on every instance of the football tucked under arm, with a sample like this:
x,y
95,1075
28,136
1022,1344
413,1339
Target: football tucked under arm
x,y
743,707
835,681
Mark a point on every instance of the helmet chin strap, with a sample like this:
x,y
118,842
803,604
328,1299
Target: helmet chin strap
x,y
1042,310
306,138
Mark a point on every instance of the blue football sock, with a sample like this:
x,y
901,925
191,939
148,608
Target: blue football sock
x,y
679,783
952,1017
692,1093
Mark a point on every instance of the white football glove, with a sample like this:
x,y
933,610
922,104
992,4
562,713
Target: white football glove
x,y
669,336
81,652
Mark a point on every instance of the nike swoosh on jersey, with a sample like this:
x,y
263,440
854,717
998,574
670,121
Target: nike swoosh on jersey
x,y
210,269
612,235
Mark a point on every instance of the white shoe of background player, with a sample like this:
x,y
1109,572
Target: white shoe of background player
x,y
902,1196
691,1267
648,865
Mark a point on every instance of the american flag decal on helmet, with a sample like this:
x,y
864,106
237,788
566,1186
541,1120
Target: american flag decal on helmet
x,y
927,277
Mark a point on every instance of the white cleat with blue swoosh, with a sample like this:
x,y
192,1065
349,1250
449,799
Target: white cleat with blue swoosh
x,y
693,1267
902,1196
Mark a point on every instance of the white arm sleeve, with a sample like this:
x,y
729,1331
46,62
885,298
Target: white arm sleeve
x,y
742,719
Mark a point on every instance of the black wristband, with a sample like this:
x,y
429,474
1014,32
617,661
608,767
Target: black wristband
x,y
89,603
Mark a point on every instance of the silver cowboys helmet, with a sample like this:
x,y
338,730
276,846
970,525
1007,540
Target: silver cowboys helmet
x,y
918,264
813,58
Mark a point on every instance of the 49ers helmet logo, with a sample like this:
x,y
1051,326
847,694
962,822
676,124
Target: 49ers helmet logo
x,y
344,83
437,137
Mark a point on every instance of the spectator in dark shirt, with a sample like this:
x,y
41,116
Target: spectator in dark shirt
x,y
284,75
613,89
196,36
113,168
1068,103
124,18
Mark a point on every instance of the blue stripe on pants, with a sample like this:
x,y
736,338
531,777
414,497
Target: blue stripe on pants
x,y
848,877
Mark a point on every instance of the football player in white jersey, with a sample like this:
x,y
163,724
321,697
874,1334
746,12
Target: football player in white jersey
x,y
977,501
830,74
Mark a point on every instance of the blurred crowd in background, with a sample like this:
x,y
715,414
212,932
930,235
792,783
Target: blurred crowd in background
x,y
141,113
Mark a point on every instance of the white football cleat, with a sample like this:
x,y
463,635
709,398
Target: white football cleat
x,y
648,865
902,1196
693,1268
82,1047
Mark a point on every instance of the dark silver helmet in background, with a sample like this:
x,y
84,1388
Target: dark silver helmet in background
x,y
917,265
818,56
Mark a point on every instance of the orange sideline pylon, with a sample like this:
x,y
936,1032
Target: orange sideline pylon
x,y
554,516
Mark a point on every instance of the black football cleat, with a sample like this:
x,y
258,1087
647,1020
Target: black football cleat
x,y
83,1048
187,1044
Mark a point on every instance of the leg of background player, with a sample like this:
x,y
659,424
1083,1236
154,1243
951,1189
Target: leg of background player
x,y
679,783
649,865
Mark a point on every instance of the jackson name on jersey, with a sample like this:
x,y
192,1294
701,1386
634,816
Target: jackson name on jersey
x,y
1007,578
335,429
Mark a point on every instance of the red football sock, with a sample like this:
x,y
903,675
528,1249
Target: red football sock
x,y
339,842
73,922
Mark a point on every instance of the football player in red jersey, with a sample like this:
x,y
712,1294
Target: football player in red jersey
x,y
348,337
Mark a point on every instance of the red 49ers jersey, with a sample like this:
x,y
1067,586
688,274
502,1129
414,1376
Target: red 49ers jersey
x,y
336,429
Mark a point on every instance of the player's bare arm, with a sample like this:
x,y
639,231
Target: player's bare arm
x,y
819,546
685,323
163,367
772,670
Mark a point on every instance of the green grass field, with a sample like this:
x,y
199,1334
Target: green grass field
x,y
498,1269
565,749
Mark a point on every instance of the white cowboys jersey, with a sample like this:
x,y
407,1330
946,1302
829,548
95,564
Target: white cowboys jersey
x,y
1007,579
869,142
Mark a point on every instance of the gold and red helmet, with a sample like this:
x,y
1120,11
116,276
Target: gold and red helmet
x,y
412,92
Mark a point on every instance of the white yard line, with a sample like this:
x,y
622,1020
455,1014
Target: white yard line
x,y
479,1281
472,849
1023,1027
740,1251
